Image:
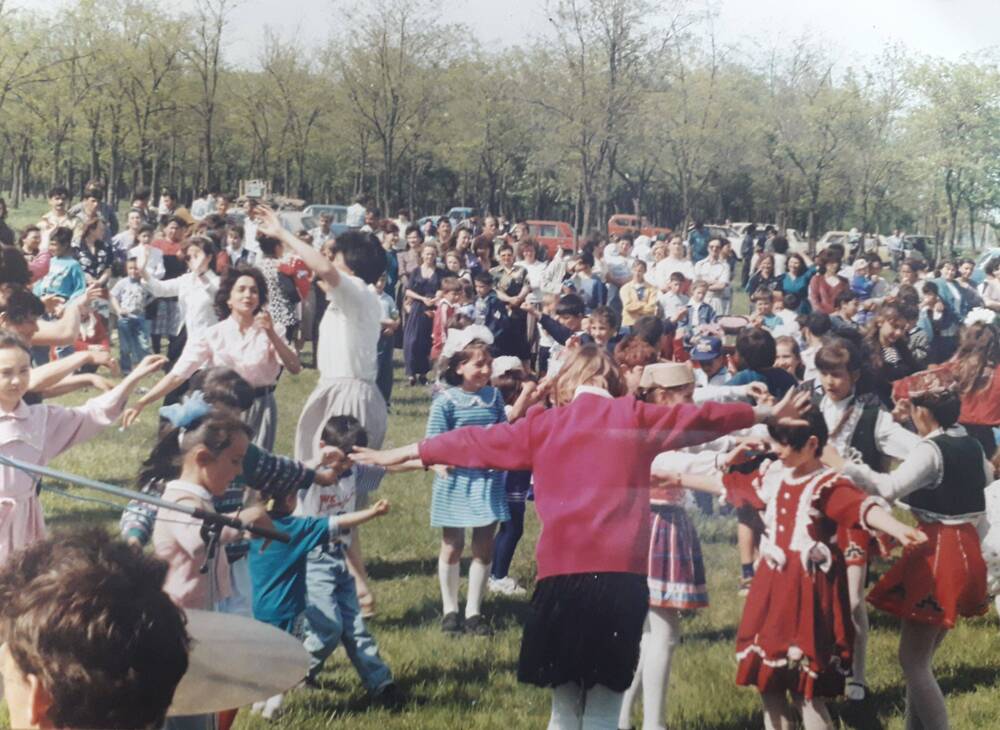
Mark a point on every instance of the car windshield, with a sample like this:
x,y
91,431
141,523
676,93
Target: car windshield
x,y
544,231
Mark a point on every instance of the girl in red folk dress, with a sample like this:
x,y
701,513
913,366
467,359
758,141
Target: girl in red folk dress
x,y
796,634
941,482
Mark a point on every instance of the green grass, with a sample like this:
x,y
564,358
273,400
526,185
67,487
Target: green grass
x,y
470,682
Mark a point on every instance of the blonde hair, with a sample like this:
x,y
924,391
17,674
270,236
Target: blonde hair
x,y
588,365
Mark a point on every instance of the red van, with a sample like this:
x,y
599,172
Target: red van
x,y
625,223
552,235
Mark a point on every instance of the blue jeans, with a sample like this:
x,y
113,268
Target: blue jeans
x,y
333,616
133,341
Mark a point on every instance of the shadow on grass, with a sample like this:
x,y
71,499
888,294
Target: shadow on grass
x,y
381,569
502,612
467,682
726,634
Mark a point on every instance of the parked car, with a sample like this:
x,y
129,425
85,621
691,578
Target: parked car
x,y
338,213
717,230
458,215
843,238
796,241
979,273
624,223
294,221
552,235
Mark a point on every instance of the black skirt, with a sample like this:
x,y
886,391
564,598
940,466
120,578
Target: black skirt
x,y
584,628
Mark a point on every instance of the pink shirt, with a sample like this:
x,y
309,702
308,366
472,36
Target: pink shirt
x,y
177,540
37,434
249,353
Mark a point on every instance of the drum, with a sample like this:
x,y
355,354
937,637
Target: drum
x,y
733,324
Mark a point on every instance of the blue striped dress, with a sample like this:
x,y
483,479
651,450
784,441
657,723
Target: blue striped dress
x,y
467,497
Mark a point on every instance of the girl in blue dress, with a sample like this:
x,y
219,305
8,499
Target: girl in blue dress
x,y
475,498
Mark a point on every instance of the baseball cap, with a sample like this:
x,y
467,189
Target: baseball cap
x,y
706,348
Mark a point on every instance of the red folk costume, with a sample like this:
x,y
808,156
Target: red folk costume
x,y
941,482
796,633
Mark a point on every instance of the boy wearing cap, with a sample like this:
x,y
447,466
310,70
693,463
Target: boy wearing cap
x,y
709,361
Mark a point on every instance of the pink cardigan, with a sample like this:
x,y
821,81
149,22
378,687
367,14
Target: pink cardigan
x,y
590,460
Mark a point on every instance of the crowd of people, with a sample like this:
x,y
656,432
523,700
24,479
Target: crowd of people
x,y
837,396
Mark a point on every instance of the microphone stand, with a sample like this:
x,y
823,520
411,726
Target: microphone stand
x,y
212,520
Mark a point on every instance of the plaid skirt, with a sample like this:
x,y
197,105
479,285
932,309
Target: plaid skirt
x,y
168,317
676,569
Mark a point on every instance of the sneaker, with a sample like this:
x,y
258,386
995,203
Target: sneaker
x,y
309,683
744,588
477,626
506,585
451,623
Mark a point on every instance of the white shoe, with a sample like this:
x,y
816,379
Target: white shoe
x,y
507,586
257,708
272,706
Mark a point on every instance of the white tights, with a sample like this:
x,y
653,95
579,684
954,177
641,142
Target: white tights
x,y
856,575
779,714
660,635
574,708
925,709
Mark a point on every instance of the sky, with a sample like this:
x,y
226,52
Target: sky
x,y
852,30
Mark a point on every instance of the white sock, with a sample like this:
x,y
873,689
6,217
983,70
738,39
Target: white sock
x,y
600,708
566,707
664,634
628,700
448,578
478,573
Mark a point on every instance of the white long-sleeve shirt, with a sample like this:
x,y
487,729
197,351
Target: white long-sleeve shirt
x,y
891,439
923,468
195,296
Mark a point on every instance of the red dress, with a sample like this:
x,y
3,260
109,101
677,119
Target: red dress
x,y
796,632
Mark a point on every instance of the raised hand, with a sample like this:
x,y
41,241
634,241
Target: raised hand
x,y
263,320
381,507
267,221
792,407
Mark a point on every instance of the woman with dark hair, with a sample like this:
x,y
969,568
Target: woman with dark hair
x,y
7,234
828,283
419,301
764,277
244,340
282,296
795,280
409,260
93,253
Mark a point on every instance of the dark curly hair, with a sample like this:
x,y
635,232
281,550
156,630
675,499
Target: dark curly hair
x,y
229,281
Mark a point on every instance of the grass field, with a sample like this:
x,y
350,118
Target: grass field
x,y
470,682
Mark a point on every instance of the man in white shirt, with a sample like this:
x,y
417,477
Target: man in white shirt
x,y
322,233
203,204
356,212
618,268
716,272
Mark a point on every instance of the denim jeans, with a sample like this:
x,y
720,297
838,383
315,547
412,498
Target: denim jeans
x,y
133,341
333,617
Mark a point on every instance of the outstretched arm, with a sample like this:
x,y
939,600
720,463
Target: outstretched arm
x,y
269,225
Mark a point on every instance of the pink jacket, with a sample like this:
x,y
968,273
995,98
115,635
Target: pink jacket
x,y
590,461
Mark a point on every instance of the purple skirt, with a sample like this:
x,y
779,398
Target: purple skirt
x,y
676,569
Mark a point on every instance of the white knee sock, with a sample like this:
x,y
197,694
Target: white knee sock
x,y
567,709
628,700
478,573
600,708
664,634
448,578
